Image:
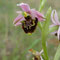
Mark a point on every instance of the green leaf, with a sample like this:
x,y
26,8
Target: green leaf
x,y
47,21
30,47
44,44
45,29
57,55
16,57
42,4
40,1
40,25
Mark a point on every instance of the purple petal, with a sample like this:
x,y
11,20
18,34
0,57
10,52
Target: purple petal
x,y
17,24
37,15
54,17
59,33
33,13
19,12
40,16
25,7
18,19
53,33
52,25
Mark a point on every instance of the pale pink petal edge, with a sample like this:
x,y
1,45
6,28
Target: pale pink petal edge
x,y
25,7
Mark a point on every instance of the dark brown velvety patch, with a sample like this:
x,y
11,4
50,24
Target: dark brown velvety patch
x,y
29,25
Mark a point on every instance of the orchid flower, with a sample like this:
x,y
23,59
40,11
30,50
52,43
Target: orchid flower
x,y
36,54
28,18
55,21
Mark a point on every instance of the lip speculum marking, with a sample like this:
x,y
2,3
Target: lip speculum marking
x,y
29,25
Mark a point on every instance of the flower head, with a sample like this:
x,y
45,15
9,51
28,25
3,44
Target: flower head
x,y
28,18
55,21
36,54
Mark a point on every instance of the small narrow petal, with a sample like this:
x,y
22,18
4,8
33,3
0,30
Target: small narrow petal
x,y
41,51
17,24
54,17
18,19
52,26
53,33
41,57
25,7
19,12
38,15
59,33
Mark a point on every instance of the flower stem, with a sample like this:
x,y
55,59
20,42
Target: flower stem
x,y
42,3
45,31
40,25
44,45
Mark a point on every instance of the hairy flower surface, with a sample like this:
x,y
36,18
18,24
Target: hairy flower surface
x,y
55,21
28,18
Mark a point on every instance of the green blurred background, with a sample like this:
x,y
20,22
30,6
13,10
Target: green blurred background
x,y
14,43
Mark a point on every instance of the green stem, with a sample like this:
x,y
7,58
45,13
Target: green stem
x,y
42,3
43,32
40,25
44,45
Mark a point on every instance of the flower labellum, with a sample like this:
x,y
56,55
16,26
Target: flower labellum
x,y
28,18
29,25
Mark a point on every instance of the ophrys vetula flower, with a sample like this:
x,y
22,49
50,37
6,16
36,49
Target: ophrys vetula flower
x,y
55,21
36,54
28,18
